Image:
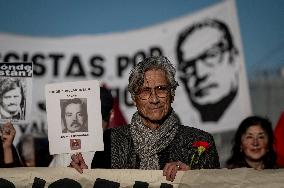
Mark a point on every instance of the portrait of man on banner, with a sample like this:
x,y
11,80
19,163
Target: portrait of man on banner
x,y
74,115
207,66
12,98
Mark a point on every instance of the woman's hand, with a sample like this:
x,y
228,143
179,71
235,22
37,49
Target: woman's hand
x,y
170,169
78,162
8,133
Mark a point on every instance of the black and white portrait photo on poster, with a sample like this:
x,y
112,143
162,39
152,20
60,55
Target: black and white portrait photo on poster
x,y
208,71
74,115
12,98
15,91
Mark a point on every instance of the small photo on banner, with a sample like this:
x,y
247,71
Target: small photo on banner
x,y
74,117
15,92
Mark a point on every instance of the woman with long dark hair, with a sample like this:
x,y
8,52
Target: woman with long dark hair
x,y
253,145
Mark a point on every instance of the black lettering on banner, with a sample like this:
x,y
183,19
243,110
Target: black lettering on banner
x,y
39,68
11,56
96,62
156,51
140,184
42,126
102,183
75,67
56,58
122,95
7,184
165,185
23,128
115,93
75,64
38,127
25,57
65,183
34,128
138,56
38,183
123,62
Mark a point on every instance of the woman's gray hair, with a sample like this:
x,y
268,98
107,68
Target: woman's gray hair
x,y
136,77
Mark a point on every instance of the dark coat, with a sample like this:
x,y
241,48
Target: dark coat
x,y
17,161
119,150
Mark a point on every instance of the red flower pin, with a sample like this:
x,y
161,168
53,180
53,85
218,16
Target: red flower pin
x,y
201,144
201,147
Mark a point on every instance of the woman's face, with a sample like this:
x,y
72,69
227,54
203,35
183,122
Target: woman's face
x,y
158,103
254,143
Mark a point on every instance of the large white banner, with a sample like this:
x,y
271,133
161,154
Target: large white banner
x,y
115,178
205,47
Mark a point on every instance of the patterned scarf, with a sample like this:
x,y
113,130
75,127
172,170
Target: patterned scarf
x,y
148,143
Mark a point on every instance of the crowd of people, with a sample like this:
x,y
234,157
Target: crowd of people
x,y
155,139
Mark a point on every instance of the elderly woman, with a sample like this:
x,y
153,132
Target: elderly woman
x,y
155,139
253,145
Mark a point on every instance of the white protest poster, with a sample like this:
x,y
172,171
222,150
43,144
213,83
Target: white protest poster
x,y
74,117
15,92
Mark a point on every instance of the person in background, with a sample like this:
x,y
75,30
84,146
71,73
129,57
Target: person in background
x,y
8,153
155,140
107,103
64,160
34,151
253,145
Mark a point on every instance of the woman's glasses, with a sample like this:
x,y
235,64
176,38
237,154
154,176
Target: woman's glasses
x,y
160,91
